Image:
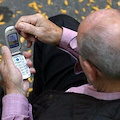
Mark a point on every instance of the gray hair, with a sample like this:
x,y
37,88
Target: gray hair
x,y
95,48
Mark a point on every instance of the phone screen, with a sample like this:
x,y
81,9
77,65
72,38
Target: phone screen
x,y
13,40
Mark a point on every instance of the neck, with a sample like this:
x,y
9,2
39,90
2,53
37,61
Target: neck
x,y
108,86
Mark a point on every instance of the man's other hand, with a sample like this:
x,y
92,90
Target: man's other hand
x,y
37,26
12,81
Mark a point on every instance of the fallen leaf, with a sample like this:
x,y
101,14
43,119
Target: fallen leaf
x,y
82,17
35,6
118,3
29,51
63,11
2,23
19,12
66,2
84,10
95,8
1,1
76,11
109,2
80,0
108,7
13,15
22,39
1,17
91,1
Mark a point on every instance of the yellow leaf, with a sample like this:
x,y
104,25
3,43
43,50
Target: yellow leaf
x,y
30,89
66,2
2,23
118,3
29,51
95,8
45,15
1,45
76,11
1,17
19,12
40,6
0,56
49,2
109,2
1,1
22,39
35,6
30,79
88,4
63,11
13,15
91,1
92,11
84,10
108,7
80,1
82,17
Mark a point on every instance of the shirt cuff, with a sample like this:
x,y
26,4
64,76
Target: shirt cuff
x,y
15,104
67,36
69,43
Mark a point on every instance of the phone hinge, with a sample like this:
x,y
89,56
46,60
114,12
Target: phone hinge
x,y
18,52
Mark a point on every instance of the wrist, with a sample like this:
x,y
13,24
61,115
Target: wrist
x,y
58,35
12,91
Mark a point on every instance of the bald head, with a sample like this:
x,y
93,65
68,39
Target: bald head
x,y
105,18
99,40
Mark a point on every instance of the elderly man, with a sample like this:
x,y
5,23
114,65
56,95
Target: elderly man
x,y
96,46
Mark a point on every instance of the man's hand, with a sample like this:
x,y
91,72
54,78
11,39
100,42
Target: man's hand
x,y
12,81
37,26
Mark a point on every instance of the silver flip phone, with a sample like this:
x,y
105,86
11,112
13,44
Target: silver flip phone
x,y
13,42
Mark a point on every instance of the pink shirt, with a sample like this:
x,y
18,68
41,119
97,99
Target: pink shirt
x,y
16,106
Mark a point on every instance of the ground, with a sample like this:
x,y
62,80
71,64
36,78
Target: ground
x,y
12,10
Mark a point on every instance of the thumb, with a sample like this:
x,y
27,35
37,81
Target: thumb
x,y
27,28
6,55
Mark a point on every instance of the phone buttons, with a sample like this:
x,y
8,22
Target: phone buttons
x,y
17,59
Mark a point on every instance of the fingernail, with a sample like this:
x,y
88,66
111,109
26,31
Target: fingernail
x,y
21,26
4,49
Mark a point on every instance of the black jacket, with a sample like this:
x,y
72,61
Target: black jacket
x,y
71,106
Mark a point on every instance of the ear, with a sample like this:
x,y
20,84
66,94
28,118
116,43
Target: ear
x,y
90,70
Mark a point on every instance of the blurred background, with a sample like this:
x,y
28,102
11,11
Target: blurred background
x,y
12,10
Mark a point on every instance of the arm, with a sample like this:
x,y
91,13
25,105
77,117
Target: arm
x,y
69,41
15,104
16,107
36,26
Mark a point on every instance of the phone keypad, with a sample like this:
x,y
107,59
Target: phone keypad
x,y
20,62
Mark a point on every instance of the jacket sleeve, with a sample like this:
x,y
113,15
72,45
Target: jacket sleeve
x,y
16,107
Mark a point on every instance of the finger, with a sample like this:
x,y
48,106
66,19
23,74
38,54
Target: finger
x,y
28,28
25,35
29,62
32,19
32,70
26,85
28,36
27,54
6,55
29,44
